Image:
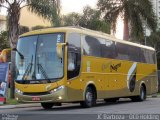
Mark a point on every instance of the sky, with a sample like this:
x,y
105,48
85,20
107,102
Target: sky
x,y
71,6
77,6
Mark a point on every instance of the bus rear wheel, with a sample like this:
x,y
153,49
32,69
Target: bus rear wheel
x,y
47,105
141,97
90,98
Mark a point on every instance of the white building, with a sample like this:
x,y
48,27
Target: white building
x,y
2,23
27,18
156,7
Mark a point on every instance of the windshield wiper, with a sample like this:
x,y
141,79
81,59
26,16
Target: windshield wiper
x,y
29,69
40,67
19,53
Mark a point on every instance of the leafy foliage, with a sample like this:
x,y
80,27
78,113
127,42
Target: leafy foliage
x,y
154,41
38,27
90,19
23,29
49,9
71,19
135,14
4,40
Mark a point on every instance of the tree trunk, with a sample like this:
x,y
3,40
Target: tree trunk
x,y
126,29
13,29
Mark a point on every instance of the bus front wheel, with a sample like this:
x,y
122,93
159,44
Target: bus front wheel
x,y
47,105
90,98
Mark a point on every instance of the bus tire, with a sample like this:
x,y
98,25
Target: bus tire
x,y
90,98
47,105
111,100
142,96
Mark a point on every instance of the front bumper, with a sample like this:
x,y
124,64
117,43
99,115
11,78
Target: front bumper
x,y
57,96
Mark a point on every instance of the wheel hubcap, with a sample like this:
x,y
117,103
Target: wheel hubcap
x,y
89,96
142,94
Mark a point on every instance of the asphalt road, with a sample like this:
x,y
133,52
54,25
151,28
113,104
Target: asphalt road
x,y
74,112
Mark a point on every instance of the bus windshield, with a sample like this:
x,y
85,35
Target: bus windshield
x,y
40,60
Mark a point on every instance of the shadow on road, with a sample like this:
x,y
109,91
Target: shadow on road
x,y
72,106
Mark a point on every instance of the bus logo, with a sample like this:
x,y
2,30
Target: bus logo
x,y
115,67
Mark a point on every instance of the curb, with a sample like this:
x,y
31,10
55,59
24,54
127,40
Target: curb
x,y
38,104
154,96
19,106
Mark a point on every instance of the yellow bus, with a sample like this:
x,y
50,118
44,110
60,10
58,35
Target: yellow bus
x,y
77,65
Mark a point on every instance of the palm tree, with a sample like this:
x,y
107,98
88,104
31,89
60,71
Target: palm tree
x,y
44,8
48,9
135,14
90,18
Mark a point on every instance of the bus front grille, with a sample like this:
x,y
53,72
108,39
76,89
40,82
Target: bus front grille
x,y
36,93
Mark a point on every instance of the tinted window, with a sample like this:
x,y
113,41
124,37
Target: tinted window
x,y
74,49
122,51
152,55
146,55
142,56
108,49
134,54
91,46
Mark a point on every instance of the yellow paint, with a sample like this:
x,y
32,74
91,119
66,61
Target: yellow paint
x,y
108,83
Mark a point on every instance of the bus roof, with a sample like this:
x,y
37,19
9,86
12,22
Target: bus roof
x,y
83,31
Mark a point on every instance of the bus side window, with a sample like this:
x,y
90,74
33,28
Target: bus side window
x,y
122,51
74,55
71,61
91,46
108,49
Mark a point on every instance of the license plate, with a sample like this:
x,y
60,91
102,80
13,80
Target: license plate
x,y
36,98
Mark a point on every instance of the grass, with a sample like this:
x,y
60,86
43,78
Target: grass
x,y
158,93
10,101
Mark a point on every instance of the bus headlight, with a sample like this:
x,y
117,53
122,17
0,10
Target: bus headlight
x,y
18,91
57,89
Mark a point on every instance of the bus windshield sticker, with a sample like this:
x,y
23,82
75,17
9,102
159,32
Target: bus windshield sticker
x,y
59,38
19,77
38,76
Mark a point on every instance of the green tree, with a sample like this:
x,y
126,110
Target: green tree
x,y
4,40
23,29
38,27
71,19
90,19
135,14
48,9
154,41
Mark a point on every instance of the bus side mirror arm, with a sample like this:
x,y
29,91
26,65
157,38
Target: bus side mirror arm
x,y
59,49
20,54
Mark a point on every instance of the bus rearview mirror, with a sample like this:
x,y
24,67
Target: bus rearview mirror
x,y
59,49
